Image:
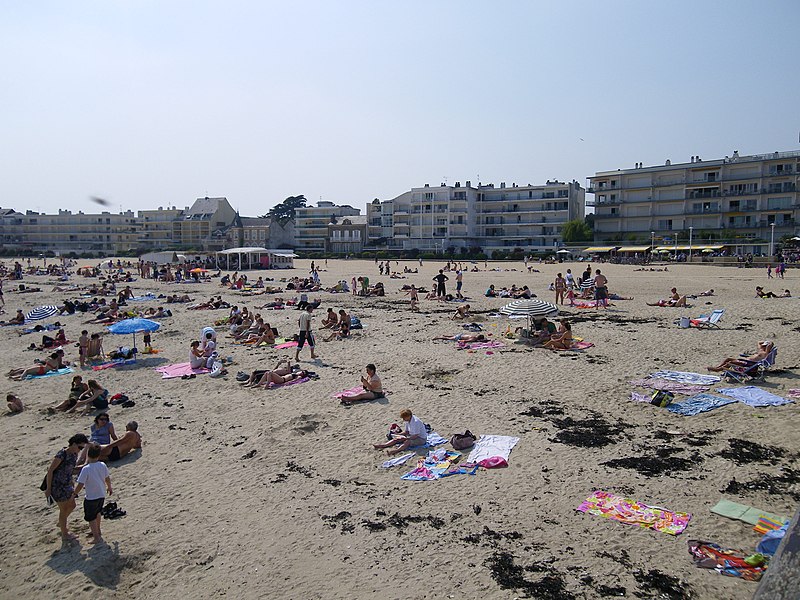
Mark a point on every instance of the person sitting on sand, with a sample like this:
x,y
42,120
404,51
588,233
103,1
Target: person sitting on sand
x,y
265,336
675,300
52,342
17,319
544,331
14,403
462,312
129,442
330,319
562,339
462,337
342,329
96,396
415,435
373,388
197,359
764,349
762,294
491,293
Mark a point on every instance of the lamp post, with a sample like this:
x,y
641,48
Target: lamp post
x,y
677,235
652,244
772,241
691,231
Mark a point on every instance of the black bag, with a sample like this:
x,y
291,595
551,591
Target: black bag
x,y
661,398
462,441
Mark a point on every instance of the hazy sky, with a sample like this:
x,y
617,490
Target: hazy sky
x,y
150,103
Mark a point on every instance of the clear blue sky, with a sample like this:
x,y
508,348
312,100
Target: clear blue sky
x,y
150,103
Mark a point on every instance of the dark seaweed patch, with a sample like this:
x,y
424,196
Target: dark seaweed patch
x,y
492,536
743,452
293,466
593,432
606,591
659,462
665,586
772,484
511,576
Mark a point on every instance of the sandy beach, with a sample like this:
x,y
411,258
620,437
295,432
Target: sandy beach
x,y
279,494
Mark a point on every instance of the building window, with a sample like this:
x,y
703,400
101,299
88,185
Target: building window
x,y
428,195
665,224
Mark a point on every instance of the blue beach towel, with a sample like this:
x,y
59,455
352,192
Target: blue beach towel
x,y
684,377
63,371
697,404
144,298
754,396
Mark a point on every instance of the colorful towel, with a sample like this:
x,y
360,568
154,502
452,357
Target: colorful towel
x,y
353,391
754,396
742,512
179,370
708,555
581,345
633,512
479,345
684,377
669,386
62,371
492,445
766,524
432,466
285,345
273,386
114,363
698,404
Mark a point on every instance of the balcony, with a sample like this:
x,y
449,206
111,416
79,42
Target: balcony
x,y
692,196
605,202
705,211
781,190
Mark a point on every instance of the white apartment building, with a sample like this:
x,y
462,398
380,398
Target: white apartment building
x,y
156,230
735,198
311,224
530,217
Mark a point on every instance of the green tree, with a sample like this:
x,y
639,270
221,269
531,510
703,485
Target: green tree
x,y
576,231
284,211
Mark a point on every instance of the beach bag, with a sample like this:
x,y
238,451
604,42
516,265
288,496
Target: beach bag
x,y
462,441
662,398
217,369
355,323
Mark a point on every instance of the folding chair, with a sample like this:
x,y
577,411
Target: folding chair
x,y
708,321
752,370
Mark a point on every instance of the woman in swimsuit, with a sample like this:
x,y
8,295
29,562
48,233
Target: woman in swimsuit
x,y
274,378
96,395
462,337
53,363
562,339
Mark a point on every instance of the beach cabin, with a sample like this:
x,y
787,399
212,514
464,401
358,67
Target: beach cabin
x,y
247,257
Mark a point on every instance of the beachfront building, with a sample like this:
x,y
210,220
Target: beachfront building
x,y
203,227
156,231
736,199
428,218
311,224
347,235
105,232
260,232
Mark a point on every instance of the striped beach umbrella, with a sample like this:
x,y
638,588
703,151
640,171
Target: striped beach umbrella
x,y
41,312
529,308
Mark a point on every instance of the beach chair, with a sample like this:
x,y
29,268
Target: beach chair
x,y
753,370
708,321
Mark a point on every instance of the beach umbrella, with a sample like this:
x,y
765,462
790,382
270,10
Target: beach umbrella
x,y
198,270
529,308
564,252
41,312
587,284
134,326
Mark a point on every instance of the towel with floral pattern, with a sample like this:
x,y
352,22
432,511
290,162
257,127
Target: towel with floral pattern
x,y
633,512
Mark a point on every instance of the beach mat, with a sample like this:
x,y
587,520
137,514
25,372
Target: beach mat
x,y
633,512
697,404
707,555
63,371
285,345
754,396
669,386
686,377
743,512
492,445
179,370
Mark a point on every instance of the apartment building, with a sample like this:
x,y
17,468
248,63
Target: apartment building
x,y
348,235
311,224
736,198
483,216
156,230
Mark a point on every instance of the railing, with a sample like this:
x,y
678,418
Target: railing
x,y
691,196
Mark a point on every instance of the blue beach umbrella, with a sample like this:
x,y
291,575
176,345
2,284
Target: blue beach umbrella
x,y
133,326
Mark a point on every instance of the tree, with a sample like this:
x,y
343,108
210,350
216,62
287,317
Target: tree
x,y
576,231
284,211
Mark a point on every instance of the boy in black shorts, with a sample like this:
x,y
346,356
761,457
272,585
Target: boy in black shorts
x,y
93,476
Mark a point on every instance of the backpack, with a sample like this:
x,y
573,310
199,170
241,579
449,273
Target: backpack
x,y
462,441
661,398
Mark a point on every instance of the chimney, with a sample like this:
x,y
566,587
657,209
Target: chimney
x,y
469,184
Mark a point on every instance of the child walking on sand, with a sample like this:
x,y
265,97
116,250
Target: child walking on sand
x,y
93,475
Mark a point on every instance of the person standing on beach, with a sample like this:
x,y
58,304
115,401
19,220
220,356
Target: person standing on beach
x,y
93,475
58,481
83,343
459,282
440,279
304,323
769,271
570,280
600,290
560,287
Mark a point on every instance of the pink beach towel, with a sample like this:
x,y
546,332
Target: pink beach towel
x,y
179,370
285,345
353,391
795,393
633,512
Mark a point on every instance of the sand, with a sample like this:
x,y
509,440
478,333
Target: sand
x,y
279,494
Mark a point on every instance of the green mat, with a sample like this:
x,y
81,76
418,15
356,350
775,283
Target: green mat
x,y
742,512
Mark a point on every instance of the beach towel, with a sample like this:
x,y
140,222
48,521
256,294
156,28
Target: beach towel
x,y
795,393
272,386
698,404
640,397
396,461
114,363
143,298
669,386
766,524
479,345
754,396
179,370
353,391
684,377
432,466
707,555
285,345
772,539
633,512
743,512
62,371
434,439
492,445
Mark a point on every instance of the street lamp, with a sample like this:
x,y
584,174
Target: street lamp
x,y
772,240
691,231
652,244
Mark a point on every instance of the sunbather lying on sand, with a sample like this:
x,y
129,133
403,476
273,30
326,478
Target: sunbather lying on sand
x,y
764,348
675,300
762,294
414,435
462,337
